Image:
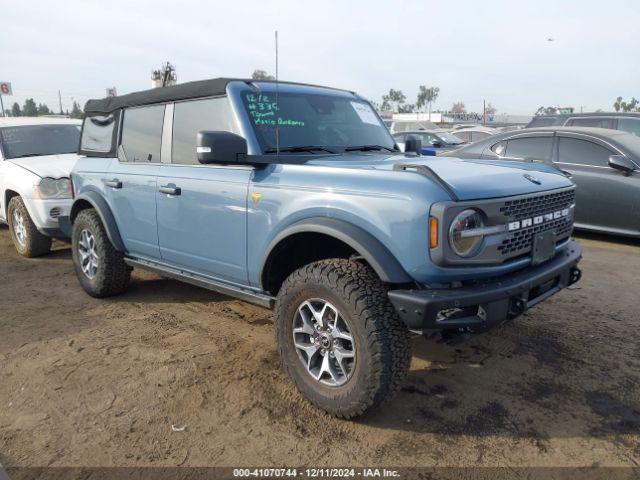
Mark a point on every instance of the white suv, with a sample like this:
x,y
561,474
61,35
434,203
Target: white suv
x,y
36,158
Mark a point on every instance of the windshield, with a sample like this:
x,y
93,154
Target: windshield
x,y
315,123
35,140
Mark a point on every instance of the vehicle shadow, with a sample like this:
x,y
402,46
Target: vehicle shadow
x,y
515,381
607,238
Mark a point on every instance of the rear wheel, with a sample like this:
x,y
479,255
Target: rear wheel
x,y
100,268
340,338
29,242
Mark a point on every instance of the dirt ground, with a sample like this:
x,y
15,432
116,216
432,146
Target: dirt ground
x,y
86,382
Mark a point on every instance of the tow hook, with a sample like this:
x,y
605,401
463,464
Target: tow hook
x,y
574,275
517,306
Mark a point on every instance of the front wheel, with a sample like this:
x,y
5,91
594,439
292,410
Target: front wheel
x,y
340,338
29,242
100,268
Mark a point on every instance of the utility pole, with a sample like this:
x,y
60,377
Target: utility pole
x,y
484,112
164,76
2,105
60,102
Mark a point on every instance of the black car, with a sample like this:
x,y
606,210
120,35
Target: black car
x,y
604,164
626,121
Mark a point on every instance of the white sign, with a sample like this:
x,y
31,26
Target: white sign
x,y
5,88
111,92
366,113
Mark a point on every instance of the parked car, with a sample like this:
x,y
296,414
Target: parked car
x,y
36,157
405,125
296,197
473,134
626,121
433,141
602,163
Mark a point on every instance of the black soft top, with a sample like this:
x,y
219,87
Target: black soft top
x,y
183,91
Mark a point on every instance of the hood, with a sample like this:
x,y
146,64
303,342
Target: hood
x,y
468,179
54,166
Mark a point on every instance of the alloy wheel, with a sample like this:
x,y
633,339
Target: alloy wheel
x,y
323,342
19,228
89,260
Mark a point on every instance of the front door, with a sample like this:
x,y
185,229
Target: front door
x,y
202,209
606,199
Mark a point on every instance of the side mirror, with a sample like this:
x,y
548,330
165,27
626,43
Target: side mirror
x,y
622,163
413,143
220,147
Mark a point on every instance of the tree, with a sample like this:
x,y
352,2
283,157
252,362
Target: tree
x,y
406,108
630,106
459,107
545,111
426,96
261,75
29,109
393,101
43,109
76,111
15,110
489,109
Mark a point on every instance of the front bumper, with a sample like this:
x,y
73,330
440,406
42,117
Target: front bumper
x,y
484,305
46,213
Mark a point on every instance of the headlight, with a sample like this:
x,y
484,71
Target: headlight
x,y
466,233
54,188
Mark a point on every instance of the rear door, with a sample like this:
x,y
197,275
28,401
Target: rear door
x,y
202,209
131,181
606,199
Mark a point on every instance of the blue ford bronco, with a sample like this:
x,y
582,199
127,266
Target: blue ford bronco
x,y
296,197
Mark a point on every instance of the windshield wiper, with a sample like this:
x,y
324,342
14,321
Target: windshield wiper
x,y
301,148
367,148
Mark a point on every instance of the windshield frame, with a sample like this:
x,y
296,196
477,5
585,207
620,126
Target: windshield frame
x,y
6,155
256,145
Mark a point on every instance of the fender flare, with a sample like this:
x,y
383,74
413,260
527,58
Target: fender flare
x,y
108,220
383,262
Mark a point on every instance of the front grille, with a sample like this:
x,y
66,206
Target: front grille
x,y
532,206
520,241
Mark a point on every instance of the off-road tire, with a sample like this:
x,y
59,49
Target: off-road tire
x,y
113,274
36,243
381,339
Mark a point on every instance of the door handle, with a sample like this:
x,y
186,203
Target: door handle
x,y
170,190
115,183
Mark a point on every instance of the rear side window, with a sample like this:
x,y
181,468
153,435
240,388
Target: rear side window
x,y
597,122
534,148
631,125
97,134
583,152
142,134
191,117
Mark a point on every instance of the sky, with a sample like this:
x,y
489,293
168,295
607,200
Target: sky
x,y
496,51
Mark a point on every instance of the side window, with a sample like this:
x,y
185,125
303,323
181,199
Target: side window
x,y
464,136
535,148
499,148
582,152
97,134
475,136
142,134
192,116
631,125
598,122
